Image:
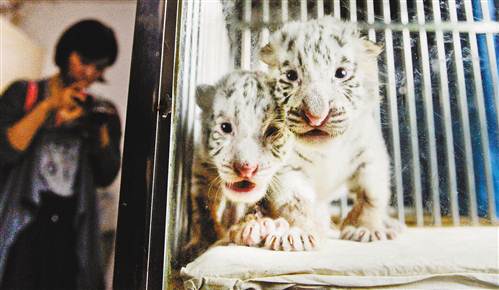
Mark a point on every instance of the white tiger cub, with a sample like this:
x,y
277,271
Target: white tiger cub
x,y
326,75
244,141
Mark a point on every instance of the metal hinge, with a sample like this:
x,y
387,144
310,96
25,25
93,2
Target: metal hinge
x,y
165,105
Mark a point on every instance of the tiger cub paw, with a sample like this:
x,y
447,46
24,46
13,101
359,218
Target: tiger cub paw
x,y
293,239
367,234
254,231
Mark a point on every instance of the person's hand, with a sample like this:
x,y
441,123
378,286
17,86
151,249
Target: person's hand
x,y
65,101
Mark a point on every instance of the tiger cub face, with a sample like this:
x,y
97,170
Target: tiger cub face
x,y
243,133
325,74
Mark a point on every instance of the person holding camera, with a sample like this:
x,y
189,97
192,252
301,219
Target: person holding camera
x,y
58,143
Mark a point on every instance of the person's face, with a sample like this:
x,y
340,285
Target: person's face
x,y
85,71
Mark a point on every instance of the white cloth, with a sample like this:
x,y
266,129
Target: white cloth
x,y
432,258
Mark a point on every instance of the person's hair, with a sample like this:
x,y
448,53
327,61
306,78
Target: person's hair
x,y
91,39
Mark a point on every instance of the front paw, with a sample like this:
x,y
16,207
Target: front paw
x,y
255,230
247,234
367,234
294,239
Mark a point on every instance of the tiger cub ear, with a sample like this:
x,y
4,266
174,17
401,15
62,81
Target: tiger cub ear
x,y
204,96
267,55
371,47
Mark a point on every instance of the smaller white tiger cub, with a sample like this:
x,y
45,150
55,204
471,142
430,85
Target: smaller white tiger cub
x,y
244,142
326,76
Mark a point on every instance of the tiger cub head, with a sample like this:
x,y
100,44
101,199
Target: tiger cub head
x,y
325,74
243,134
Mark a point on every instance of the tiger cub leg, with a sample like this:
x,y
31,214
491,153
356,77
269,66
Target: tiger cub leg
x,y
294,201
368,220
300,232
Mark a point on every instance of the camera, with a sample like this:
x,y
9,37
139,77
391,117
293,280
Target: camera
x,y
97,111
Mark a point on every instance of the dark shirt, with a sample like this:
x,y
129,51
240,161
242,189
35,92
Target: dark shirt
x,y
20,199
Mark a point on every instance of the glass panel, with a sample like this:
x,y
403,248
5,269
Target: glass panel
x,y
438,111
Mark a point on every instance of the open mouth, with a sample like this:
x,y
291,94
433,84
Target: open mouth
x,y
315,136
315,133
241,186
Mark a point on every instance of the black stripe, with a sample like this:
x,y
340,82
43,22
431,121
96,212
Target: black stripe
x,y
275,153
286,100
295,113
285,82
303,157
339,40
217,152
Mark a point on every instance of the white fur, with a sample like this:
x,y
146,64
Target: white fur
x,y
337,87
243,101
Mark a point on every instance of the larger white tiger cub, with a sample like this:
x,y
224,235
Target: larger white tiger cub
x,y
244,141
326,75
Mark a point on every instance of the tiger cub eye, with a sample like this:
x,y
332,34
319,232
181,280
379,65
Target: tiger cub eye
x,y
226,127
292,75
340,73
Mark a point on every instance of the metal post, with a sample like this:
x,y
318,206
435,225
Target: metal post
x,y
320,8
284,11
246,36
303,10
464,114
413,126
353,10
428,102
337,9
392,107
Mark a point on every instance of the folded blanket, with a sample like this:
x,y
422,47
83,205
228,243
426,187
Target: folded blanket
x,y
431,258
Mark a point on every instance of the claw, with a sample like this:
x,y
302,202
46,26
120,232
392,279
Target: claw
x,y
267,226
363,234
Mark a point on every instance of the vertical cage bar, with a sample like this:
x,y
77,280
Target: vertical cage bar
x,y
428,101
320,8
337,9
188,123
284,11
492,58
444,103
173,211
413,127
264,35
370,19
246,37
392,107
372,37
353,10
464,114
303,10
184,89
480,104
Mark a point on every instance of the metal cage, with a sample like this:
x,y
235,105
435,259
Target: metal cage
x,y
438,75
439,79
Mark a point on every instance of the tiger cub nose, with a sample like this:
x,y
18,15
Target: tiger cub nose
x,y
315,110
313,120
245,170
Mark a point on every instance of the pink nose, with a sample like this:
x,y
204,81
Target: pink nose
x,y
314,120
245,170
